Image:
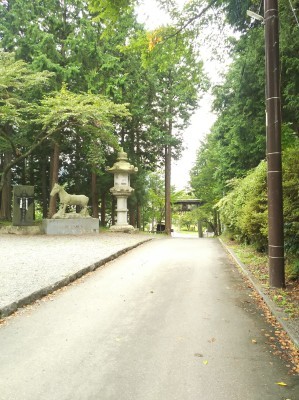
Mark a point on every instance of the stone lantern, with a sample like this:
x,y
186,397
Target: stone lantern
x,y
122,170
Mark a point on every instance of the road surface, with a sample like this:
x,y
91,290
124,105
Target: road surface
x,y
172,319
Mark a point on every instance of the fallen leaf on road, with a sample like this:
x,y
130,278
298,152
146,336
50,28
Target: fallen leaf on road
x,y
281,384
198,355
253,341
205,362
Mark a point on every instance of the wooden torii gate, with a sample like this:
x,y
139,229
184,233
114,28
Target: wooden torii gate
x,y
187,206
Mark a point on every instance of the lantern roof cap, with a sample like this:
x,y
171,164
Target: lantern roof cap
x,y
122,164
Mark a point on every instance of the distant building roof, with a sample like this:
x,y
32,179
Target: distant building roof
x,y
189,201
186,204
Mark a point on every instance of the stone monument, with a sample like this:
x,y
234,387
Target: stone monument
x,y
70,223
122,170
23,205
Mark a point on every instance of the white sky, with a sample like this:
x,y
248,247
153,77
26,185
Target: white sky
x,y
151,15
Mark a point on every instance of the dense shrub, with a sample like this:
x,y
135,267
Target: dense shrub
x,y
244,209
291,201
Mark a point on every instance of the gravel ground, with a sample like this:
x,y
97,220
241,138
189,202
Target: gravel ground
x,y
32,266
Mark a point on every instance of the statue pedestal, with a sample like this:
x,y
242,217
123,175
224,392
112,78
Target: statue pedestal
x,y
68,226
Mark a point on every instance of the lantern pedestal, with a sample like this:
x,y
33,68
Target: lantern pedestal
x,y
122,228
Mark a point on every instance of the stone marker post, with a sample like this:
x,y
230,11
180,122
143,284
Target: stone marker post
x,y
23,205
122,170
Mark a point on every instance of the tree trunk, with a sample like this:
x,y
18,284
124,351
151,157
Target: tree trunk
x,y
5,206
138,216
77,185
138,206
94,196
219,223
122,136
167,189
103,209
216,227
54,178
199,229
23,172
44,186
31,176
132,219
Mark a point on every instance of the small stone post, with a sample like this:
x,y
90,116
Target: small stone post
x,y
122,170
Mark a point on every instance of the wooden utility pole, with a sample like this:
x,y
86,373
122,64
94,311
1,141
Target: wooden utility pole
x,y
273,122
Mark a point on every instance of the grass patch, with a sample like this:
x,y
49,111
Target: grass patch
x,y
188,233
257,264
4,223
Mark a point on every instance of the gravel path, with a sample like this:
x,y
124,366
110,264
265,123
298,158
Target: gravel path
x,y
32,266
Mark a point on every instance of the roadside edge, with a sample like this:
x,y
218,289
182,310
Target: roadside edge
x,y
275,310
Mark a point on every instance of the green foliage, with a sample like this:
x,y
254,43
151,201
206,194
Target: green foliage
x,y
92,117
289,45
16,80
63,114
92,52
110,10
154,210
66,111
174,79
187,221
244,209
205,173
153,197
291,200
159,76
63,37
292,268
240,128
236,11
19,86
58,36
236,144
206,181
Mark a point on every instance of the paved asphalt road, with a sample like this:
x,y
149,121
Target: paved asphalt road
x,y
170,320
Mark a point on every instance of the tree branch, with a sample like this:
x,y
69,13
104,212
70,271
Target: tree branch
x,y
194,18
17,160
9,140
